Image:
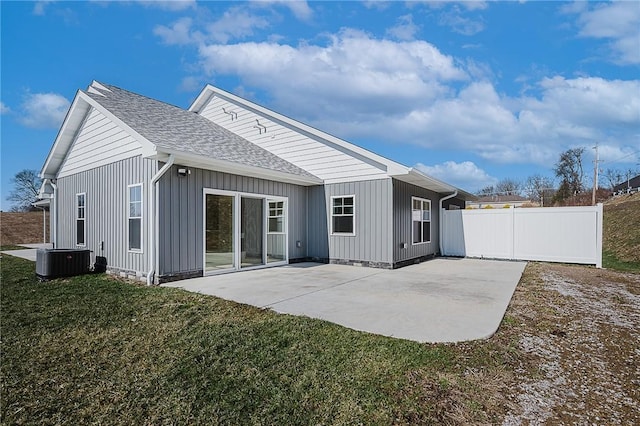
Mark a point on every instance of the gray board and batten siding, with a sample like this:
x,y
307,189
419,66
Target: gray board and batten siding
x,y
181,223
106,189
373,224
402,223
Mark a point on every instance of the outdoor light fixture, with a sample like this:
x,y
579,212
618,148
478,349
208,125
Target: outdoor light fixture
x,y
183,172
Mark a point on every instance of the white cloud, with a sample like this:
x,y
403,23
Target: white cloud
x,y
359,87
191,84
39,7
467,4
178,33
352,74
465,175
236,23
299,8
461,24
4,109
44,110
617,22
405,29
170,5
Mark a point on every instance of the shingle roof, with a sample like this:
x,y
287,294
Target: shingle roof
x,y
176,129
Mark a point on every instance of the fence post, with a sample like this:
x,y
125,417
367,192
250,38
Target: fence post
x,y
599,219
512,213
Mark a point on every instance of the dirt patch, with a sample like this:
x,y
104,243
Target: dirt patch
x,y
22,228
578,330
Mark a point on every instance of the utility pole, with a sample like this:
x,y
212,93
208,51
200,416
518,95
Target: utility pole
x,y
595,176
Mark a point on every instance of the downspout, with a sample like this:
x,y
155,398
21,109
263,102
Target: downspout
x,y
455,193
53,221
153,222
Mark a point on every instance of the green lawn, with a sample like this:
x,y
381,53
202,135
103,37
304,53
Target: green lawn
x,y
94,349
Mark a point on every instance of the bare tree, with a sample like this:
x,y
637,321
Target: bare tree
x,y
613,177
569,170
539,188
487,190
26,185
508,187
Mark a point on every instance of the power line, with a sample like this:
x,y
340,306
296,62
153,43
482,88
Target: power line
x,y
621,158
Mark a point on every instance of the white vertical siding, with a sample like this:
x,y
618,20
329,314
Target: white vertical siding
x,y
106,210
99,142
318,158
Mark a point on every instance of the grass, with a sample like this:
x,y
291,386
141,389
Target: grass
x,y
93,349
621,234
11,247
611,261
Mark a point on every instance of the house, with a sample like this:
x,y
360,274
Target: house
x,y
166,193
499,202
632,184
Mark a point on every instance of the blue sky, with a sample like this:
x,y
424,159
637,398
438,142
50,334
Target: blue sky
x,y
471,92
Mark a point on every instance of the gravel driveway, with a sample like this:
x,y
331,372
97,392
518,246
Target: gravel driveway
x,y
580,338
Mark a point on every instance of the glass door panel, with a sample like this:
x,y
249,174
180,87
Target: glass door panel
x,y
276,234
219,244
251,232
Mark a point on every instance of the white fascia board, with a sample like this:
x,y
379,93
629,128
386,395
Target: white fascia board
x,y
416,177
202,162
389,166
67,133
202,99
82,104
356,179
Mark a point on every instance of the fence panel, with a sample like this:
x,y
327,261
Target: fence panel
x,y
556,234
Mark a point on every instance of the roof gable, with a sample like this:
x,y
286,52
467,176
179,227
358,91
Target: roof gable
x,y
166,129
267,128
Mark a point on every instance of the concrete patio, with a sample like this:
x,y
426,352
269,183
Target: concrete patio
x,y
442,300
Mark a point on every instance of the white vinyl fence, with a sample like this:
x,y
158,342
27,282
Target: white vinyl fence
x,y
553,234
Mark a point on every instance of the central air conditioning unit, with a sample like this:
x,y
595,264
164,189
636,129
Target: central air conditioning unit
x,y
57,263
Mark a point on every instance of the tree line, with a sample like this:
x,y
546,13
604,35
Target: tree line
x,y
570,173
537,188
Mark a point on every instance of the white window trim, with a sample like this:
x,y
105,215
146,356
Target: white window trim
x,y
285,229
141,249
283,216
237,197
84,219
331,215
423,221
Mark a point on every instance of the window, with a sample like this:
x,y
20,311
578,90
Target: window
x,y
421,220
81,224
342,215
135,217
276,233
276,216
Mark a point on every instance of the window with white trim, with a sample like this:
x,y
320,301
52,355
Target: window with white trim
x,y
81,224
420,220
343,215
276,217
135,217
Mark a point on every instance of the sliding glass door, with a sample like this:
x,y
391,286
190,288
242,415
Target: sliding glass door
x,y
251,232
243,231
219,235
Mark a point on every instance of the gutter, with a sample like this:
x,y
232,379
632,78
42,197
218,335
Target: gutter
x,y
455,193
153,223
